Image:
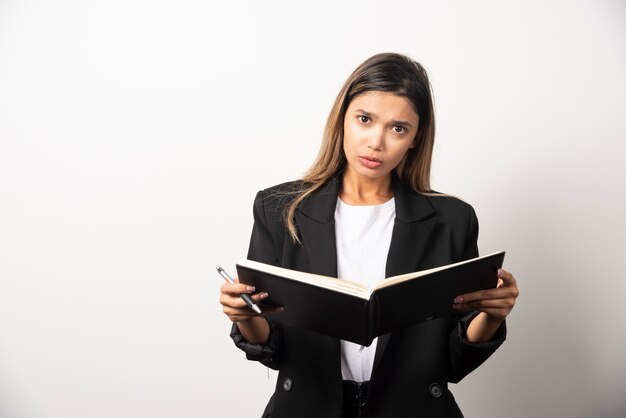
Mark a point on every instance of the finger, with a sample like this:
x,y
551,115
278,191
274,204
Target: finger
x,y
482,294
236,289
506,289
260,296
233,301
507,303
506,276
246,313
237,314
236,301
509,282
270,310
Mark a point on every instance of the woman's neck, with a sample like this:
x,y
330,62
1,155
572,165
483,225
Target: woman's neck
x,y
362,191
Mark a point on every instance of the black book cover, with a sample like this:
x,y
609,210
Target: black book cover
x,y
348,311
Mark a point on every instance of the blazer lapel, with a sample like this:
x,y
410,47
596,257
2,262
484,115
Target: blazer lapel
x,y
315,218
412,229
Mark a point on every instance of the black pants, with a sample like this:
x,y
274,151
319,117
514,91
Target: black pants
x,y
355,399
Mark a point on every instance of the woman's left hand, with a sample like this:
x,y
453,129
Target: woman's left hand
x,y
496,303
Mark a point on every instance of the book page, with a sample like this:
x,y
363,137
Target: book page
x,y
404,277
326,282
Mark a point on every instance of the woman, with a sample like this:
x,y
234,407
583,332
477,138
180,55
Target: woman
x,y
366,210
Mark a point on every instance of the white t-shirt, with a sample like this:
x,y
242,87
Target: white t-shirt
x,y
363,235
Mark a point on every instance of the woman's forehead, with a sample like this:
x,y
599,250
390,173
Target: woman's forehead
x,y
384,105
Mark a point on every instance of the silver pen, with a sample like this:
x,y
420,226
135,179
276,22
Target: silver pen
x,y
246,297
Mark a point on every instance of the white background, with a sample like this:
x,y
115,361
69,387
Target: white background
x,y
134,135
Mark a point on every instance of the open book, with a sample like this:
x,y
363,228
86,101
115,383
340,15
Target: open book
x,y
354,312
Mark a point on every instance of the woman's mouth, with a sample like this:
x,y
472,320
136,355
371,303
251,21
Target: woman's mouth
x,y
370,162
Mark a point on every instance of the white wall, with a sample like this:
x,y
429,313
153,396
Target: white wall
x,y
134,134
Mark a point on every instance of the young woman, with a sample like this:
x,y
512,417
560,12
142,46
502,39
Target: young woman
x,y
366,210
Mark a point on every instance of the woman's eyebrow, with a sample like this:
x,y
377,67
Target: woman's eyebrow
x,y
397,122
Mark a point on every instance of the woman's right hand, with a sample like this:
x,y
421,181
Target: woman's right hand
x,y
235,307
254,328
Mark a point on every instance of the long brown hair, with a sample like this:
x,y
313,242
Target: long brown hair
x,y
388,72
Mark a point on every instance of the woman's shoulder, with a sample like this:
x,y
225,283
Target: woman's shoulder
x,y
450,206
275,198
288,187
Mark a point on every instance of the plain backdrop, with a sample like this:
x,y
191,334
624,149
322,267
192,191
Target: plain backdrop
x,y
134,135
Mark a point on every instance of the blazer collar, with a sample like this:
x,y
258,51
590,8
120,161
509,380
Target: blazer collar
x,y
320,205
413,226
410,207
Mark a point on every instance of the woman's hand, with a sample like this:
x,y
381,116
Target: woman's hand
x,y
234,306
253,327
494,304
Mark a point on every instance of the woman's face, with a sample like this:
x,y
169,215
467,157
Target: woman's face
x,y
379,128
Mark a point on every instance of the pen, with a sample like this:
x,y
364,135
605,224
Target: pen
x,y
246,297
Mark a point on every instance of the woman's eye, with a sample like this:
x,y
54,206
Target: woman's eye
x,y
401,129
363,118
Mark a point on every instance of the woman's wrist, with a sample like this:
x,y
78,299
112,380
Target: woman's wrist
x,y
255,330
482,328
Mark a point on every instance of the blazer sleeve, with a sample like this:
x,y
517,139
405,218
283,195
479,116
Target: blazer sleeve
x,y
263,249
464,356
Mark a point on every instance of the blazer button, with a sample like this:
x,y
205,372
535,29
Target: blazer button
x,y
435,390
287,384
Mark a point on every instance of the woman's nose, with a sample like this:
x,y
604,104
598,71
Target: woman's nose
x,y
376,141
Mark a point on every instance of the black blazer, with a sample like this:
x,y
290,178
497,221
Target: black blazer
x,y
412,368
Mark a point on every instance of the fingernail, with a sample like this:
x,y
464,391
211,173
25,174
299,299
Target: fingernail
x,y
264,295
458,299
457,306
250,288
499,272
280,309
